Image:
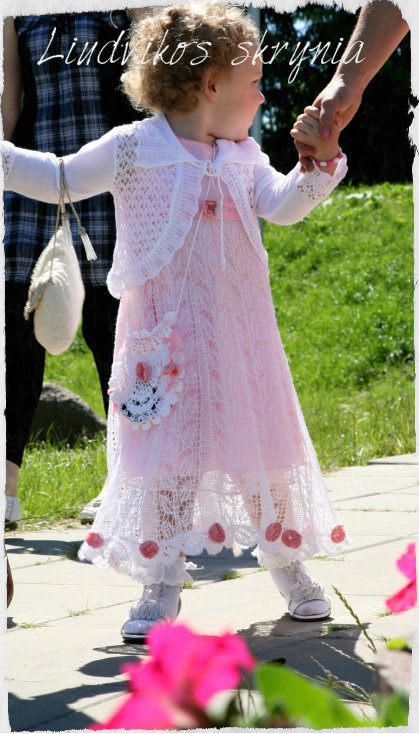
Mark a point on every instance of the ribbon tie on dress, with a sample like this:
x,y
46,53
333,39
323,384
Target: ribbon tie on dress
x,y
210,208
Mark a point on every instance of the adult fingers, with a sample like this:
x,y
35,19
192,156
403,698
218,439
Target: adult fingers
x,y
326,118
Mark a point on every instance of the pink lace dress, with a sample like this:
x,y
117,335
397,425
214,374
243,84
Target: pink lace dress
x,y
231,463
225,458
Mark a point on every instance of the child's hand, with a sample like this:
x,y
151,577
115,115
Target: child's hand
x,y
309,143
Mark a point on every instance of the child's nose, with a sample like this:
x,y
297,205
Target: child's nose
x,y
261,97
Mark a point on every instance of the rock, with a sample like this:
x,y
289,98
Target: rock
x,y
393,671
63,415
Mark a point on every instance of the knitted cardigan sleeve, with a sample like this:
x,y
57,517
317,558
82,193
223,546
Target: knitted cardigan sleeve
x,y
36,175
286,199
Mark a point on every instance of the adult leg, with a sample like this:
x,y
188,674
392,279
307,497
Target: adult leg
x,y
100,311
25,361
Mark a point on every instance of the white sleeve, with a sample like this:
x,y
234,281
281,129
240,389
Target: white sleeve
x,y
88,172
286,199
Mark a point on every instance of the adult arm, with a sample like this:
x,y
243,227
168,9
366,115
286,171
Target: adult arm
x,y
379,30
12,76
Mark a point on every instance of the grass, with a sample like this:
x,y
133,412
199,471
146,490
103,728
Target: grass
x,y
190,585
342,284
56,481
230,574
337,628
78,612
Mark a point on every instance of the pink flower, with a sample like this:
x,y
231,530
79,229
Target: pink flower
x,y
185,671
95,540
216,533
143,371
291,538
140,712
273,531
338,534
149,549
406,598
190,668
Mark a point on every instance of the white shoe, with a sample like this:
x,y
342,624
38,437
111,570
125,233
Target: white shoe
x,y
305,597
158,602
89,512
13,513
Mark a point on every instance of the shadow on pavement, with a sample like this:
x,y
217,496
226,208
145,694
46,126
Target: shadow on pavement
x,y
319,652
51,547
47,711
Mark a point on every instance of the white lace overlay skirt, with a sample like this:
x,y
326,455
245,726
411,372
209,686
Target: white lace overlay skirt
x,y
231,464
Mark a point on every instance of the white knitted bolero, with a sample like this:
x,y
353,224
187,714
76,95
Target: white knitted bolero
x,y
156,184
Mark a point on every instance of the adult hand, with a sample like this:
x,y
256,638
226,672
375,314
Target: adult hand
x,y
338,103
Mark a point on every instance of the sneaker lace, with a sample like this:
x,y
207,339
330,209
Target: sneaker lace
x,y
305,589
149,606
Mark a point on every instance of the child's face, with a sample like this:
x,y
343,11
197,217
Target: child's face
x,y
238,100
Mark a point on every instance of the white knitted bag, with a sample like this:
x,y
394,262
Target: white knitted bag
x,y
56,293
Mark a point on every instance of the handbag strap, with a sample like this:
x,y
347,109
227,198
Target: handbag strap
x,y
88,248
193,243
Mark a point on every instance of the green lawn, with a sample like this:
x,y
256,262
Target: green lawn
x,y
342,283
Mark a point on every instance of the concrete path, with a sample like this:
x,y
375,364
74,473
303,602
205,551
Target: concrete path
x,y
63,646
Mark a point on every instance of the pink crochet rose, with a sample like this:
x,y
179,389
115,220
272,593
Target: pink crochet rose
x,y
273,531
216,533
338,534
149,549
95,540
143,371
209,208
406,598
184,672
291,538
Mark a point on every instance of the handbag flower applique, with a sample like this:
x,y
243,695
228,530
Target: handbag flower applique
x,y
147,376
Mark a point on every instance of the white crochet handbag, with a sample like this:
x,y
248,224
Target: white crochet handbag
x,y
56,293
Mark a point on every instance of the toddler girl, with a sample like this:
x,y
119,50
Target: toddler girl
x,y
207,446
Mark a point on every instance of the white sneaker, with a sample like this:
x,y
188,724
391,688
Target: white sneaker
x,y
158,602
305,597
89,512
13,513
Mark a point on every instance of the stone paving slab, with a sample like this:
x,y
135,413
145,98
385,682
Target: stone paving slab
x,y
377,524
389,502
401,459
65,674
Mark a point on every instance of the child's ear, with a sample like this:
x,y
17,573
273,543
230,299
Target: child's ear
x,y
210,81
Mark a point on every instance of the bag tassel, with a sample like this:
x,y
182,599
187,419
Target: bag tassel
x,y
88,247
65,223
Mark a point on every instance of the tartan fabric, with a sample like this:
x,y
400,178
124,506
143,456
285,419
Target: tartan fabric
x,y
65,105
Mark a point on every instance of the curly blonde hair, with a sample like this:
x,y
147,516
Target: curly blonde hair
x,y
171,49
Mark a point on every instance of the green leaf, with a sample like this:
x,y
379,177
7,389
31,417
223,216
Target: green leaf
x,y
305,703
398,643
393,710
